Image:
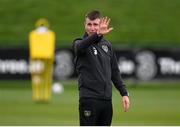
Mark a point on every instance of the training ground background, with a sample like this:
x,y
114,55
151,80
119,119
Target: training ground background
x,y
152,103
137,23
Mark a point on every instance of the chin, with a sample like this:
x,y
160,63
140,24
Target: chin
x,y
91,33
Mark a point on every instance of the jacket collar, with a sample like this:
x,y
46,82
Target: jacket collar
x,y
85,35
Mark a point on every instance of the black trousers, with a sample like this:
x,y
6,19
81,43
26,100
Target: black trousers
x,y
95,112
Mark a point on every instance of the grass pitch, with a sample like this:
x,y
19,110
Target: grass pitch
x,y
154,103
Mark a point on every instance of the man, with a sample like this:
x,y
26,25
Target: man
x,y
97,66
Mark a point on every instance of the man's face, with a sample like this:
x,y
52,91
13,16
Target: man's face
x,y
92,26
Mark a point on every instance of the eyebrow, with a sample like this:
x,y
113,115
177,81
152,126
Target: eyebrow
x,y
89,23
95,23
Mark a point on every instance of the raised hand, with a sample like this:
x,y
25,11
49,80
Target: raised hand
x,y
104,26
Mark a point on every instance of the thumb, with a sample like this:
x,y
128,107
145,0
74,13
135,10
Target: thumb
x,y
110,29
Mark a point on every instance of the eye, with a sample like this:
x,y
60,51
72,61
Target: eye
x,y
95,24
89,24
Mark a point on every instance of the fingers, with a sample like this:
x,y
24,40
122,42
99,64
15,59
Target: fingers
x,y
126,103
126,106
105,20
102,20
108,21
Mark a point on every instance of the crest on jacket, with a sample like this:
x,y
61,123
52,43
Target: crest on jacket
x,y
105,48
87,113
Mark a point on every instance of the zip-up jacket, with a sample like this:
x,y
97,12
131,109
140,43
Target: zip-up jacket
x,y
97,68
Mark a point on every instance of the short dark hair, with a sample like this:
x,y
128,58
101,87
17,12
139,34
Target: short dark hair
x,y
92,15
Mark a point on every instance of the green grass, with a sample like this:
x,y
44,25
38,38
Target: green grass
x,y
135,22
17,107
152,103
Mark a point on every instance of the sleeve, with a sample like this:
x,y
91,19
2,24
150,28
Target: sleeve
x,y
116,76
80,45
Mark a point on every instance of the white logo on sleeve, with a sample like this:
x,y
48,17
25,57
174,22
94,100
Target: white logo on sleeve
x,y
95,51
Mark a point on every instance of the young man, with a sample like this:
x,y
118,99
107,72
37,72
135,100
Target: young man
x,y
97,66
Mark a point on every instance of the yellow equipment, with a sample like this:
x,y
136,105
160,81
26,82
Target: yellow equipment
x,y
42,46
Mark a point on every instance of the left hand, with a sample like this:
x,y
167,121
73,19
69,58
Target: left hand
x,y
126,103
104,26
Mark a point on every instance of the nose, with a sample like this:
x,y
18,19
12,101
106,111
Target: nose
x,y
92,28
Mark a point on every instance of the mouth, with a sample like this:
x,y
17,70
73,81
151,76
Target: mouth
x,y
92,31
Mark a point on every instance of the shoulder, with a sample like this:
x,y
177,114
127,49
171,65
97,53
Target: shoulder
x,y
75,41
106,42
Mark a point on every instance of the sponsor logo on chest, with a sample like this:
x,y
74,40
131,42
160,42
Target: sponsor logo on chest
x,y
95,51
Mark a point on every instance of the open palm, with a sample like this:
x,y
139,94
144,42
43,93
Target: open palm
x,y
104,26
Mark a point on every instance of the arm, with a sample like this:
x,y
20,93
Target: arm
x,y
80,45
116,78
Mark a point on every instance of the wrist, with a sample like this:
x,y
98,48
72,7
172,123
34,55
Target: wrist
x,y
99,34
126,94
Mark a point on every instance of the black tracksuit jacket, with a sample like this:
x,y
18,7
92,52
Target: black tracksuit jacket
x,y
97,67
